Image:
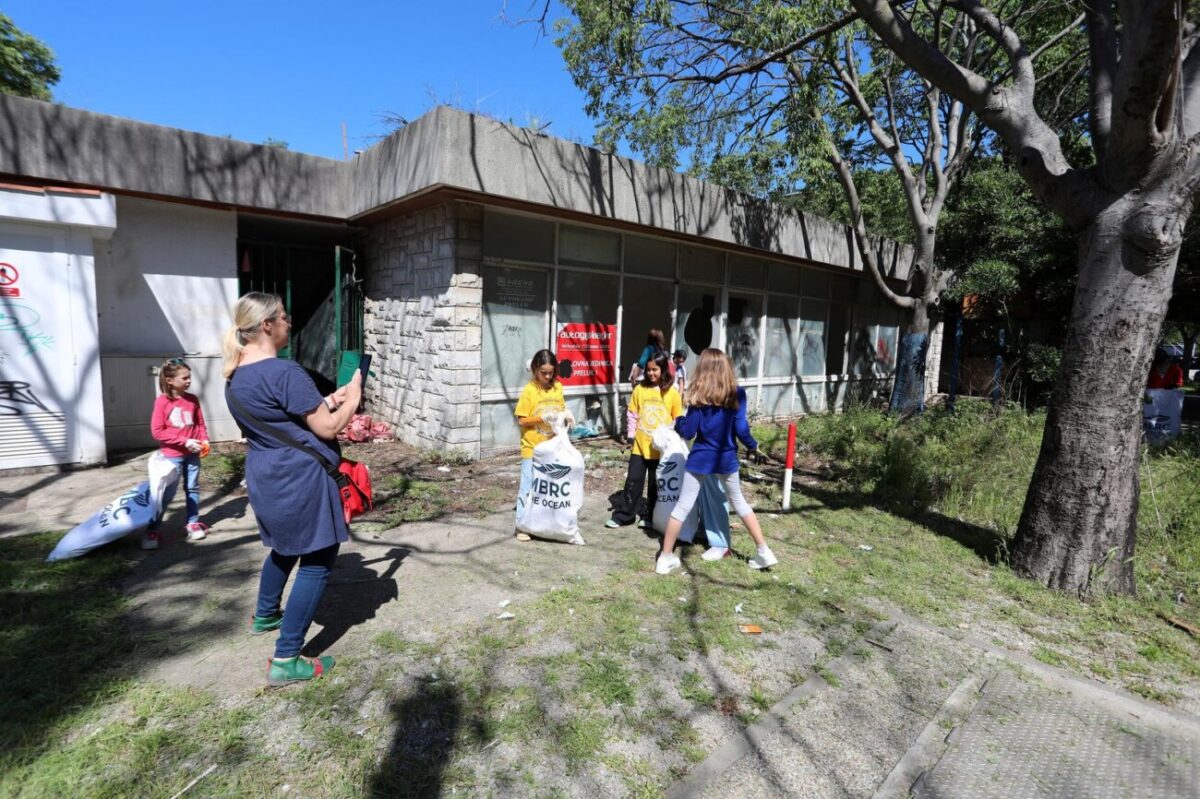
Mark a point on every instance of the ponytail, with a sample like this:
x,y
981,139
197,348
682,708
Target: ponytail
x,y
250,311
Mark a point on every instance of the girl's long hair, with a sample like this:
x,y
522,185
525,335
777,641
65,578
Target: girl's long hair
x,y
655,338
665,378
168,370
713,381
250,311
541,358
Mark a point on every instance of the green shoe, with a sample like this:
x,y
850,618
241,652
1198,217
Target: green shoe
x,y
298,669
264,624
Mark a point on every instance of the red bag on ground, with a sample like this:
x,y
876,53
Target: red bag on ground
x,y
354,485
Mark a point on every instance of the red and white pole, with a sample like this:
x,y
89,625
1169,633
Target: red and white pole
x,y
791,463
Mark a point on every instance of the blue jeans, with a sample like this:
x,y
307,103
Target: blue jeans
x,y
526,484
302,602
189,474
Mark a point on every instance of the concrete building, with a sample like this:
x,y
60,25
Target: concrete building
x,y
450,251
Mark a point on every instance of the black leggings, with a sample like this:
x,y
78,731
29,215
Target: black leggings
x,y
626,510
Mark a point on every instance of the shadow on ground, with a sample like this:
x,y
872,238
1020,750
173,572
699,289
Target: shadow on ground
x,y
426,724
353,595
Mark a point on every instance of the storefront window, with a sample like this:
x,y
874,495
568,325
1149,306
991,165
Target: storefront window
x,y
835,339
742,334
697,322
784,278
644,256
518,238
812,336
586,330
596,249
747,272
782,355
647,305
701,265
514,325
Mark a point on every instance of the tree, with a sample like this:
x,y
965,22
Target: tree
x,y
27,66
1078,528
768,96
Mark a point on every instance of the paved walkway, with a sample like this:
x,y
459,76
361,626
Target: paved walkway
x,y
909,709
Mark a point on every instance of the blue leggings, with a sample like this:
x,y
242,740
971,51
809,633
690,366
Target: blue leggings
x,y
302,602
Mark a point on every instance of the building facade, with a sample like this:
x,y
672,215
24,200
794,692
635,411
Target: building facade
x,y
451,252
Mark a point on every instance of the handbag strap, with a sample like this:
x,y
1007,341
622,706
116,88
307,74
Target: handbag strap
x,y
283,438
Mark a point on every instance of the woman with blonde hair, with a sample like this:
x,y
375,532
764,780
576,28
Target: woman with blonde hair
x,y
296,502
716,414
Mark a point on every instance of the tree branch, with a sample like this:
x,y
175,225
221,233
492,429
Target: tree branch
x,y
860,231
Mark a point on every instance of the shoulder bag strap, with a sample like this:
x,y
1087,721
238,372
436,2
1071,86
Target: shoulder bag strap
x,y
283,438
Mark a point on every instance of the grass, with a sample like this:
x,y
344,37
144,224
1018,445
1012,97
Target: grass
x,y
596,672
407,499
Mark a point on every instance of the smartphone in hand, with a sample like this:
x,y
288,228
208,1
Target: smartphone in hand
x,y
364,368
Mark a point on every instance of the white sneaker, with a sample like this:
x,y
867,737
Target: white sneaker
x,y
150,540
715,553
197,531
763,560
667,564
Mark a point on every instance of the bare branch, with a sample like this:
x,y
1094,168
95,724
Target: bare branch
x,y
860,231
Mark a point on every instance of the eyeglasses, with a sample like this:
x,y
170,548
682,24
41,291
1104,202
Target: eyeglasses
x,y
177,361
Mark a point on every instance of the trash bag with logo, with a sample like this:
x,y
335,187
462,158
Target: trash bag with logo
x,y
553,503
131,511
708,514
672,464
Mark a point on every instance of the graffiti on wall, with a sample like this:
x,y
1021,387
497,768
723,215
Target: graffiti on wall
x,y
22,319
18,398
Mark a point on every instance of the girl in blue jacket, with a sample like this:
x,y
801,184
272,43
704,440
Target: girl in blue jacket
x,y
716,413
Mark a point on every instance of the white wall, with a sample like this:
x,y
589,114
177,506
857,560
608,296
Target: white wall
x,y
49,337
164,285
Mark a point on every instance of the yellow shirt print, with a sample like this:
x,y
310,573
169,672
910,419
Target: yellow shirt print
x,y
535,401
654,409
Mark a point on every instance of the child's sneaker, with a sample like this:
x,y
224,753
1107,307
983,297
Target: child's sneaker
x,y
150,540
715,553
298,669
197,531
265,624
765,559
667,564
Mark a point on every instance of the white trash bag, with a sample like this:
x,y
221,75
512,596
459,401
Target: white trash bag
x,y
553,503
128,513
1161,413
671,466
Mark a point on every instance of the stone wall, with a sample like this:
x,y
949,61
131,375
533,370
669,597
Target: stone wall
x,y
423,325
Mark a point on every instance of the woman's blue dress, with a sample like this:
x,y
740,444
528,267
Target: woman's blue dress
x,y
296,501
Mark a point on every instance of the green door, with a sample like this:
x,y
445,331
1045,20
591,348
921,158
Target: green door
x,y
347,313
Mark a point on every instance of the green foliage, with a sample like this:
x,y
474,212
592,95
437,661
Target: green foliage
x,y
974,466
995,232
989,278
27,67
879,190
278,144
974,461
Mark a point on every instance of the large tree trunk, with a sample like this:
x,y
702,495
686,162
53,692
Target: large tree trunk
x,y
908,389
1079,523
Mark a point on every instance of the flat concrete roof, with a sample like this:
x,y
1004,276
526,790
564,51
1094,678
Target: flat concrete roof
x,y
444,149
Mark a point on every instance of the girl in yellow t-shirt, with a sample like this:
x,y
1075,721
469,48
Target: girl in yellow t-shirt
x,y
542,397
655,403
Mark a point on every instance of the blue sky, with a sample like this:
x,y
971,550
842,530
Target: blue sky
x,y
295,71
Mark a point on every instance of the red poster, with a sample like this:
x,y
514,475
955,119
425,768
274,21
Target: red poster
x,y
587,354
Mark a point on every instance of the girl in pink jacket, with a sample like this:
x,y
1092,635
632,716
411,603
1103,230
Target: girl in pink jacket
x,y
178,425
